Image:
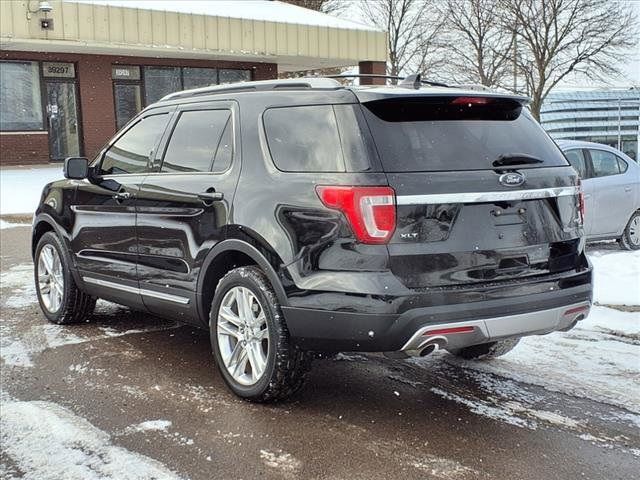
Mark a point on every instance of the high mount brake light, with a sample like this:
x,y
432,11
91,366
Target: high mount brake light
x,y
471,101
371,211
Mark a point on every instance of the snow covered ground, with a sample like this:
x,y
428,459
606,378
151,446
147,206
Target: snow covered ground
x,y
20,188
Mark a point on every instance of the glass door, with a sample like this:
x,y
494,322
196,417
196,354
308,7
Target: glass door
x,y
62,114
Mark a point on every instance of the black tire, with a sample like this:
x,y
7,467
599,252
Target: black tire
x,y
287,365
75,306
630,231
487,351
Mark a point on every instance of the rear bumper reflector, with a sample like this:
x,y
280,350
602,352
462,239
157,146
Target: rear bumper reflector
x,y
448,331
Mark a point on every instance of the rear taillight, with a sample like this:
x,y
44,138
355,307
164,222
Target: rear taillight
x,y
581,202
371,211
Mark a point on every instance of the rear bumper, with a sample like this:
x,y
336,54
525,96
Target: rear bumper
x,y
491,318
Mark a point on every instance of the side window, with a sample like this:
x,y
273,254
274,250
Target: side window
x,y
196,138
604,163
577,161
304,139
224,153
622,165
131,151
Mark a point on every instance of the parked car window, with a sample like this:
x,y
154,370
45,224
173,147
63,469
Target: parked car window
x,y
604,163
317,138
577,161
622,165
130,153
195,140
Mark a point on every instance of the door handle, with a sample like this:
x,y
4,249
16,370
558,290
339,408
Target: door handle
x,y
210,195
627,188
587,195
122,196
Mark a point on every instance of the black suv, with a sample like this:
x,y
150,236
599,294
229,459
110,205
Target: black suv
x,y
299,216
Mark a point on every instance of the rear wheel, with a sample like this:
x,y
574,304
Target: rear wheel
x,y
60,299
487,350
250,339
630,239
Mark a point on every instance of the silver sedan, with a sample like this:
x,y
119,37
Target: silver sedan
x,y
611,185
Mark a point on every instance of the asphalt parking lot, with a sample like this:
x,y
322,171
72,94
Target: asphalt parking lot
x,y
134,396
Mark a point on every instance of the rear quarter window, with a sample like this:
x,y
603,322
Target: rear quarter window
x,y
318,138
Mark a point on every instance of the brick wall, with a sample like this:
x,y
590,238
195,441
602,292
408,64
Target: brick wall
x,y
17,149
95,90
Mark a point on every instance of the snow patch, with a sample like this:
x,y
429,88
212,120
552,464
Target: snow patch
x,y
4,225
151,425
20,188
616,278
49,442
282,461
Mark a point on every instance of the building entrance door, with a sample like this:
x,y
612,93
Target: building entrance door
x,y
62,115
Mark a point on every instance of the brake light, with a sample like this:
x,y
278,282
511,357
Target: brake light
x,y
371,211
581,205
471,101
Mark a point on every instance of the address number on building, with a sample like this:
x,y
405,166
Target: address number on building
x,y
58,70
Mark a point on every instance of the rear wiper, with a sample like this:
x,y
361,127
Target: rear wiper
x,y
515,159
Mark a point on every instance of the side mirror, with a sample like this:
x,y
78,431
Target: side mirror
x,y
76,168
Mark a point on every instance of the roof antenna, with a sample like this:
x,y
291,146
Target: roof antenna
x,y
411,81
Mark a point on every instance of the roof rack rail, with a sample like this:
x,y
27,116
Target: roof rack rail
x,y
408,81
260,85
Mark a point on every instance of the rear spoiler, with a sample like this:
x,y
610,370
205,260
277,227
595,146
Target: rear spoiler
x,y
365,95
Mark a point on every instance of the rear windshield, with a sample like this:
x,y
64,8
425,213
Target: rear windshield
x,y
457,133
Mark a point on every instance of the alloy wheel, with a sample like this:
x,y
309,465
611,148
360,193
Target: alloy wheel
x,y
243,335
50,278
634,230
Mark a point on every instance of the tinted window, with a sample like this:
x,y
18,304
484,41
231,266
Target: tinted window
x,y
577,161
159,82
443,134
224,152
20,101
604,163
317,138
199,77
131,151
128,102
195,140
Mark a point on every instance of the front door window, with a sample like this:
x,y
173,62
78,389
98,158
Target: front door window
x,y
62,115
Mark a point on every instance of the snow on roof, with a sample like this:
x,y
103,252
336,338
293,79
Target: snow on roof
x,y
267,10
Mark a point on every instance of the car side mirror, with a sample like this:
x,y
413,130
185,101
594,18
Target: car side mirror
x,y
76,168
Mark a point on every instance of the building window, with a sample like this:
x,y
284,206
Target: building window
x,y
128,102
232,76
160,81
199,77
20,96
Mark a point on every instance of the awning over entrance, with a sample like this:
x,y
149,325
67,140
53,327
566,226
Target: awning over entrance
x,y
254,30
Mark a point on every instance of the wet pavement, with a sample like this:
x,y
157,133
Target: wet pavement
x,y
359,417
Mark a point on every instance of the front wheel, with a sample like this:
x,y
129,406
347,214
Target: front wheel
x,y
60,299
250,339
630,239
486,351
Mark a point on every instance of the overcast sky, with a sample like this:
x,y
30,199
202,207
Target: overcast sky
x,y
631,68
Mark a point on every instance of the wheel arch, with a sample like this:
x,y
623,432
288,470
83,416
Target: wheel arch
x,y
228,254
43,224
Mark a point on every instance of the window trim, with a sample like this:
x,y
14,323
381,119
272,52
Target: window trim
x,y
161,150
587,162
43,109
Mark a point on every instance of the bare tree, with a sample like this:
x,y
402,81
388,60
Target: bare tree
x,y
480,48
325,6
413,28
558,38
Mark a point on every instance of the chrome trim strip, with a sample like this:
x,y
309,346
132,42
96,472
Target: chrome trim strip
x,y
482,197
491,329
139,291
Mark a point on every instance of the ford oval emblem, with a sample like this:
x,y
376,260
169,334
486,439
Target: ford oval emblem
x,y
511,179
